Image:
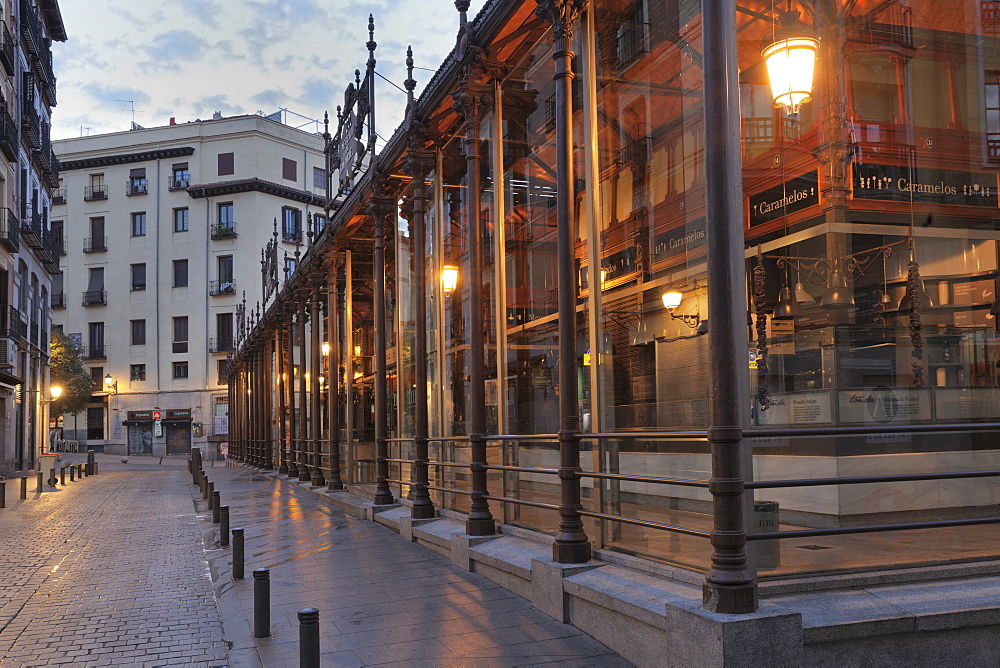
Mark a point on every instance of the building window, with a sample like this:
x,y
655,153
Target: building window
x,y
180,370
227,164
223,371
226,286
291,225
319,177
58,242
181,219
319,223
137,372
225,226
139,276
97,241
180,334
137,184
95,293
289,267
180,177
180,273
95,423
138,332
95,330
289,170
224,332
139,224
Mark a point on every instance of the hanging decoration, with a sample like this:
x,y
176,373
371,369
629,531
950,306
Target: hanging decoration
x,y
914,284
759,297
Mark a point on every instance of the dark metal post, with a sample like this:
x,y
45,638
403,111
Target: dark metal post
x,y
279,348
571,544
315,414
418,164
304,473
72,475
224,526
380,207
473,99
237,554
309,638
52,478
62,475
3,494
730,586
333,399
90,462
95,468
216,505
38,489
24,487
261,602
293,425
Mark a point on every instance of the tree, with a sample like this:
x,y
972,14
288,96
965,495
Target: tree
x,y
69,372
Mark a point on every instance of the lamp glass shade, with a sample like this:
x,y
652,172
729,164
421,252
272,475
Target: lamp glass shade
x,y
786,308
791,63
672,300
449,278
326,348
802,296
837,295
108,381
55,391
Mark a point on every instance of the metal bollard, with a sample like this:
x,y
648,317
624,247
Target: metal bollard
x,y
215,507
3,494
95,468
261,602
190,468
79,471
62,475
309,638
237,554
204,488
72,474
211,495
224,526
90,462
52,478
24,487
38,490
84,471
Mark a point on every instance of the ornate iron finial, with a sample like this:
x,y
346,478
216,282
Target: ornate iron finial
x,y
463,7
275,233
371,37
340,114
326,125
309,227
409,84
286,266
357,78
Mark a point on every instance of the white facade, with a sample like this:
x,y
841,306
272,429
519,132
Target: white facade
x,y
164,229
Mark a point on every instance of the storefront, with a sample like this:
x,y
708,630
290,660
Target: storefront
x,y
139,426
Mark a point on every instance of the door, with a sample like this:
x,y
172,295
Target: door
x,y
140,439
178,438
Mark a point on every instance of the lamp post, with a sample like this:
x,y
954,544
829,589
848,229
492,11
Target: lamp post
x,y
55,391
111,387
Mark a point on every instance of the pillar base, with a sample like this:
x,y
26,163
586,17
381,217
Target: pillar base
x,y
423,511
304,475
478,527
335,486
570,553
283,469
729,599
317,479
384,499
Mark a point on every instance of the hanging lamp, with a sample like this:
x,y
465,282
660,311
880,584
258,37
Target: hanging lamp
x,y
790,56
837,295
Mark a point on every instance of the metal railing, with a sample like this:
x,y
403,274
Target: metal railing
x,y
217,345
95,353
224,230
10,231
138,187
8,135
95,298
8,52
95,244
13,324
58,195
226,287
31,124
178,184
58,300
91,193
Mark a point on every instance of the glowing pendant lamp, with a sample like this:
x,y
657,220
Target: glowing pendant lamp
x,y
790,56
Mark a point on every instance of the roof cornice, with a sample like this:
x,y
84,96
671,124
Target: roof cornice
x,y
125,158
53,19
255,185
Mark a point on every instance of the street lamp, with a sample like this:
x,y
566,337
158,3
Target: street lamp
x,y
790,55
449,278
110,384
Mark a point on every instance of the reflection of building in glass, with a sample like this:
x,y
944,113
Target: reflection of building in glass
x,y
869,207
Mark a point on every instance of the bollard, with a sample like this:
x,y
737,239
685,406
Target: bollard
x,y
84,471
72,474
190,468
24,487
3,494
52,478
62,475
237,554
204,489
216,508
95,468
309,638
261,602
211,495
224,526
38,490
79,471
90,462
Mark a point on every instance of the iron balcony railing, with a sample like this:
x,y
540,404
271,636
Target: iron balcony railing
x,y
8,135
58,300
31,125
42,64
217,345
10,231
221,287
8,52
179,347
31,28
91,193
33,333
95,298
95,244
12,323
58,195
224,230
177,184
31,228
138,187
98,352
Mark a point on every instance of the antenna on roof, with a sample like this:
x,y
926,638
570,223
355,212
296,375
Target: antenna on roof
x,y
130,107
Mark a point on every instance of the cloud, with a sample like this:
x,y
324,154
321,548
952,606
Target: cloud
x,y
270,99
216,103
176,45
318,94
205,11
112,96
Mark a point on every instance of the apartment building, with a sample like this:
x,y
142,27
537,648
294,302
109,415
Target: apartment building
x,y
29,257
164,230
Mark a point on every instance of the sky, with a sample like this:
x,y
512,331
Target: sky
x,y
190,58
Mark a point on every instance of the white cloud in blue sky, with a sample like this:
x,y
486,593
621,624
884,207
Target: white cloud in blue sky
x,y
189,58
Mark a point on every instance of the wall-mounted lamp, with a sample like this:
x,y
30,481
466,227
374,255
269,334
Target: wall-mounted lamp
x,y
673,299
790,56
325,348
55,391
449,278
110,384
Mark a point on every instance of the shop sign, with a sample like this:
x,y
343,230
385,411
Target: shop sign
x,y
620,264
884,405
797,408
800,193
899,183
144,416
184,414
679,240
989,10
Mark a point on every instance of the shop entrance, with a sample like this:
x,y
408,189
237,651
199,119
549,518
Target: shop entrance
x,y
178,438
140,439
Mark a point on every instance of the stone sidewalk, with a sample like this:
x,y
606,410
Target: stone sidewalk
x,y
108,570
382,600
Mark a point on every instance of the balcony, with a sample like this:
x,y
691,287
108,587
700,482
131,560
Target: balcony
x,y
217,345
31,228
224,231
49,252
58,196
291,236
31,125
8,53
91,193
31,28
95,244
95,298
137,187
50,169
8,136
177,183
98,352
58,300
216,288
179,347
10,231
33,329
12,323
42,64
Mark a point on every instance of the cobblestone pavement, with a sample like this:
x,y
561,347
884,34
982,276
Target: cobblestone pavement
x,y
109,570
383,600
